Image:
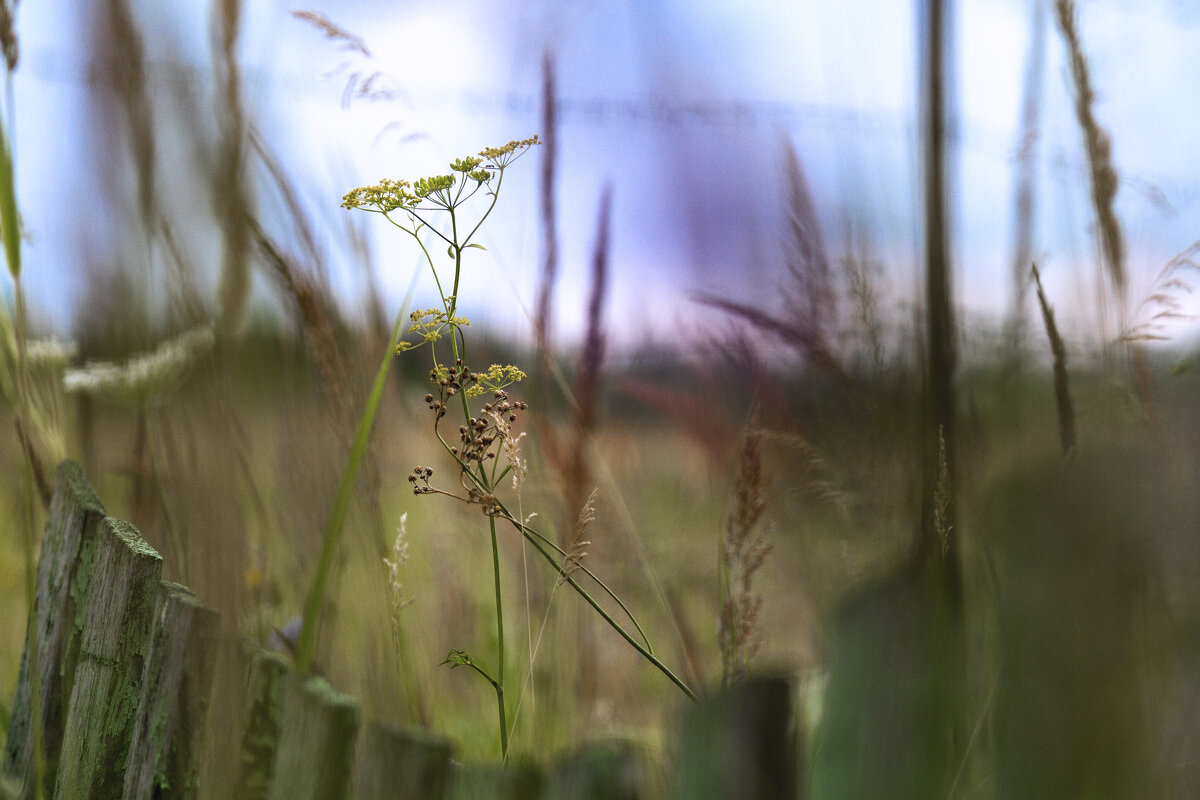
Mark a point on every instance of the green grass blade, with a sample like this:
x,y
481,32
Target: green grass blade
x,y
306,647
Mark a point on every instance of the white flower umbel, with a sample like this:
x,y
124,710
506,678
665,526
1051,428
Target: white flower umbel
x,y
146,377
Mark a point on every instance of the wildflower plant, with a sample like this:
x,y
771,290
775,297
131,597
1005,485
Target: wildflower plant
x,y
483,445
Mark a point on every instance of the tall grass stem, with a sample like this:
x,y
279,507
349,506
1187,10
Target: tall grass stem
x,y
306,646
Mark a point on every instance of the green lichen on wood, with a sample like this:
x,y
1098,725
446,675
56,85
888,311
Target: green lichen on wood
x,y
599,771
112,648
514,782
63,586
70,476
260,733
316,743
402,764
131,537
172,708
739,743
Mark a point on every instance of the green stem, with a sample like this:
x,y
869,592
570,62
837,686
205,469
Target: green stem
x,y
495,192
533,538
604,586
306,647
499,683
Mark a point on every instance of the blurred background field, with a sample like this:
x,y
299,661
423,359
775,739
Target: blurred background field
x,y
761,282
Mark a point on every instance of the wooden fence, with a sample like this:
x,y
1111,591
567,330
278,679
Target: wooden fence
x,y
115,684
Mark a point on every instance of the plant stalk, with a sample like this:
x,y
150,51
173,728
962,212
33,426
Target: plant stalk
x,y
499,684
306,647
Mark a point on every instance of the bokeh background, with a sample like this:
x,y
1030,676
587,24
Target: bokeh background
x,y
737,357
687,109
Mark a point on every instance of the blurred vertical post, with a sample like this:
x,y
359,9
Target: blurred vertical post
x,y
549,231
892,723
935,541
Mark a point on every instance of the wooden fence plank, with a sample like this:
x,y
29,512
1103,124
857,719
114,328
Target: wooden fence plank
x,y
260,728
128,662
494,782
739,744
401,764
168,733
112,649
63,585
316,742
600,771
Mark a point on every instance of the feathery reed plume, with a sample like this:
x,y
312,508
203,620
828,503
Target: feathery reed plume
x,y
231,200
1105,182
1062,388
1164,304
811,290
744,548
860,271
347,41
397,602
1102,175
1026,182
8,35
814,474
941,497
396,597
810,319
797,336
362,83
573,560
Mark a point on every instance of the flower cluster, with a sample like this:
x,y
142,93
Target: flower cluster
x,y
497,377
480,433
399,556
389,195
501,157
481,439
430,323
419,478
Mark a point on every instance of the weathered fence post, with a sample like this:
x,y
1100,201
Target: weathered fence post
x,y
399,764
315,755
169,731
126,665
260,725
739,744
600,771
55,623
494,782
95,746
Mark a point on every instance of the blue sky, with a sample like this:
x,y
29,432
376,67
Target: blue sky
x,y
684,107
